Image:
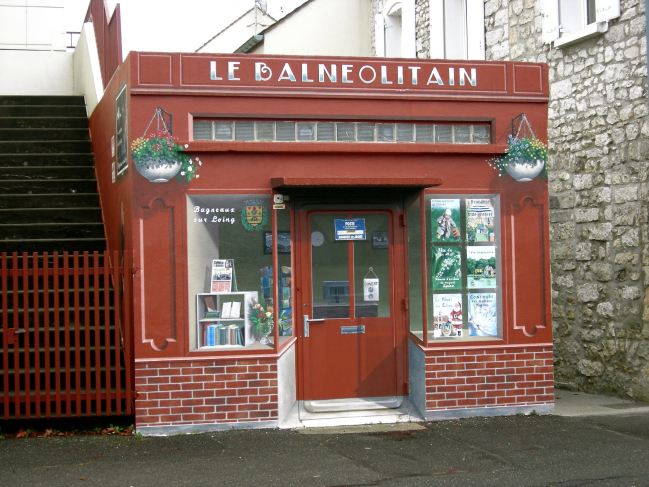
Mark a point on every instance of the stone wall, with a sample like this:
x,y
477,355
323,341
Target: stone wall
x,y
598,175
598,167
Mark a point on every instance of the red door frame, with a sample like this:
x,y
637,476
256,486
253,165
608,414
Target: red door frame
x,y
399,290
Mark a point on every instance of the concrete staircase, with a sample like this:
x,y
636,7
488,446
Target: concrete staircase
x,y
48,191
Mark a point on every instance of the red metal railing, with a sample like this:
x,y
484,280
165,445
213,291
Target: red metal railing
x,y
66,335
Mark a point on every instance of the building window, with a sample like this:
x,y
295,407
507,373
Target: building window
x,y
305,131
394,30
457,29
568,21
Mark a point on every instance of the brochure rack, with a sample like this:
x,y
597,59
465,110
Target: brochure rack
x,y
235,331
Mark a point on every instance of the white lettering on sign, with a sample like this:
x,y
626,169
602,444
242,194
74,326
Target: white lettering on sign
x,y
350,74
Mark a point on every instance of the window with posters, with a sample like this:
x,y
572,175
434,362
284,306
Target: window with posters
x,y
230,272
463,264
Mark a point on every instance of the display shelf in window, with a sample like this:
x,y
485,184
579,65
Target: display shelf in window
x,y
223,320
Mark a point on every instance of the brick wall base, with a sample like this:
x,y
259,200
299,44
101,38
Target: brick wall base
x,y
494,378
206,391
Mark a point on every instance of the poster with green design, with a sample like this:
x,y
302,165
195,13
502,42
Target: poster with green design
x,y
445,220
481,266
480,220
447,268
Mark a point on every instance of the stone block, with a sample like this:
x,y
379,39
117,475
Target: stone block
x,y
601,231
590,368
582,181
562,250
601,195
624,215
583,251
627,292
602,271
586,215
587,293
605,309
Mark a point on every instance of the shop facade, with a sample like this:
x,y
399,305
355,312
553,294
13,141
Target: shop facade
x,y
349,204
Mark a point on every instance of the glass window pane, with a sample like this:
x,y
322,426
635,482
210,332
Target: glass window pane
x,y
329,269
285,131
326,131
306,131
455,29
244,130
462,134
385,132
424,133
415,269
202,130
443,134
345,132
481,134
372,268
365,132
222,130
405,132
285,277
265,131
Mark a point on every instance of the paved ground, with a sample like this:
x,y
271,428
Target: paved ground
x,y
568,450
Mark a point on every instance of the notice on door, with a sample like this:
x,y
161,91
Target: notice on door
x,y
350,229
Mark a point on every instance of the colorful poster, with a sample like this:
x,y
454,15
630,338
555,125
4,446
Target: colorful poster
x,y
483,314
480,220
447,268
447,315
481,267
445,220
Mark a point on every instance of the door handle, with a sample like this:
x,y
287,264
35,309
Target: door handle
x,y
305,323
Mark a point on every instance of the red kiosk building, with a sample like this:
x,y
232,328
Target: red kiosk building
x,y
349,204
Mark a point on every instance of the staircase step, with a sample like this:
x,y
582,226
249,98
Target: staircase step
x,y
43,111
44,122
25,231
53,215
38,134
46,147
47,172
47,186
53,245
70,200
41,160
41,100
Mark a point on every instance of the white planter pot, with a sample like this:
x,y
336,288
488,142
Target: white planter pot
x,y
158,173
525,172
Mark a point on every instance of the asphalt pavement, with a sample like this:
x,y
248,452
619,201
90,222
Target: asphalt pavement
x,y
607,446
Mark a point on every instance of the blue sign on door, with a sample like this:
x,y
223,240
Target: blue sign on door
x,y
352,229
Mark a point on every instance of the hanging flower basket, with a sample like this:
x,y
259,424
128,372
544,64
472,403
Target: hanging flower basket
x,y
525,158
158,156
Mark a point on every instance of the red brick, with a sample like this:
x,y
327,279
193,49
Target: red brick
x,y
272,383
169,387
193,402
506,356
486,387
247,376
506,385
449,373
272,406
159,395
258,368
259,414
535,377
457,380
535,390
170,418
446,403
236,384
476,365
547,369
545,397
273,367
466,359
446,389
214,385
258,398
203,378
495,365
214,370
208,393
268,375
435,382
169,403
143,419
190,371
486,401
485,358
467,402
524,356
445,360
258,383
466,387
158,380
237,415
247,391
181,410
455,395
204,409
494,379
237,400
215,416
191,386
476,394
193,417
145,373
171,371
158,411
183,394
248,407
268,390
515,378
179,379
237,369
475,380
225,392
215,401
505,400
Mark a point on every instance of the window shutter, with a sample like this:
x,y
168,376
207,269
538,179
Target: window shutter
x,y
475,29
408,29
436,12
606,10
379,35
550,25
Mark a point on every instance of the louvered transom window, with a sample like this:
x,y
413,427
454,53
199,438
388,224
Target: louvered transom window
x,y
289,131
